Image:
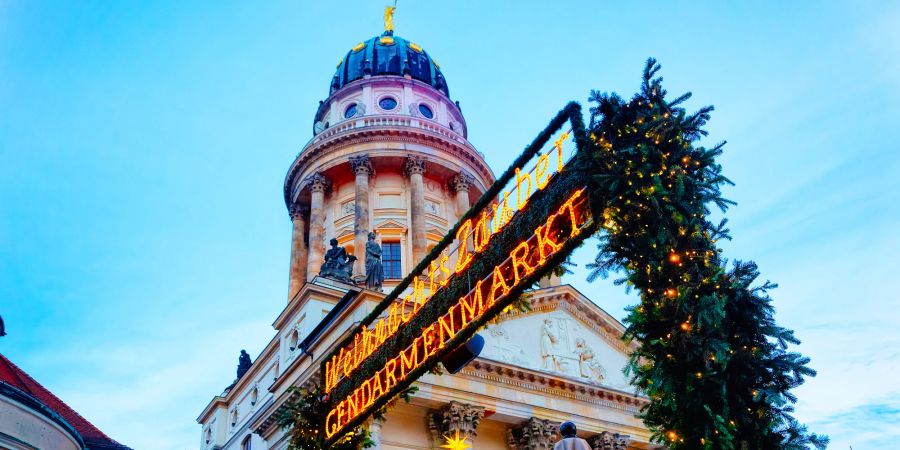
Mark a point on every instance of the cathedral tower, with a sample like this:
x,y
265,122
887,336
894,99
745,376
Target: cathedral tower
x,y
389,154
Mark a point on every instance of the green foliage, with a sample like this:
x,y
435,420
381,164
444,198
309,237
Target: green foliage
x,y
710,356
304,414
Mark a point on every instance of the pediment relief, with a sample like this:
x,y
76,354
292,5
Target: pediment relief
x,y
557,338
390,224
344,233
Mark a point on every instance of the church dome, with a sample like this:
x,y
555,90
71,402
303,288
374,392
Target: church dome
x,y
388,55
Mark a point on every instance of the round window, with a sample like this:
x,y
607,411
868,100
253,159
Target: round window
x,y
426,111
387,103
351,111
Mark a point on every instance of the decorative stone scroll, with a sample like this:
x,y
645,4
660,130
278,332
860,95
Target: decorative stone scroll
x,y
532,434
609,441
454,417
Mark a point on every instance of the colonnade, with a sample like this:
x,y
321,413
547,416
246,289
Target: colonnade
x,y
306,260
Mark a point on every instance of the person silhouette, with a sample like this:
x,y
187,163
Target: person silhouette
x,y
569,440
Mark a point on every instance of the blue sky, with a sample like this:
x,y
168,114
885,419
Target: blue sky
x,y
144,240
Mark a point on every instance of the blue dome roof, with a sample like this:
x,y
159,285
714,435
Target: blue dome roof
x,y
388,55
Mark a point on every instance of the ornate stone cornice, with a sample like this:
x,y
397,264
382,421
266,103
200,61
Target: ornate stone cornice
x,y
461,182
454,417
532,434
414,165
554,386
317,182
401,135
609,441
361,165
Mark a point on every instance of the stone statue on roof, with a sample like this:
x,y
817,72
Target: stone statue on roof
x,y
374,269
243,364
338,264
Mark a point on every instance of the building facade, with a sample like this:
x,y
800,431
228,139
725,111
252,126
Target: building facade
x,y
31,417
390,154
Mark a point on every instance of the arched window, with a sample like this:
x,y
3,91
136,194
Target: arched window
x,y
254,395
245,444
208,435
234,417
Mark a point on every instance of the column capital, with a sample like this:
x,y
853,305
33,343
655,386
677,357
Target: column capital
x,y
297,210
361,165
532,434
454,417
461,182
317,182
414,165
609,441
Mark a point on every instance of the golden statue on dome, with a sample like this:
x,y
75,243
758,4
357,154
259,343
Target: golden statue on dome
x,y
389,19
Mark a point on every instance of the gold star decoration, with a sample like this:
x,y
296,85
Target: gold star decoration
x,y
456,442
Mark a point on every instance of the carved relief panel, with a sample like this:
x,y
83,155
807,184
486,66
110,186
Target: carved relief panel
x,y
559,343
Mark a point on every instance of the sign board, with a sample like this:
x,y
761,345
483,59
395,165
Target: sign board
x,y
525,225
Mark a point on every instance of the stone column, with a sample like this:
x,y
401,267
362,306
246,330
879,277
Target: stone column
x,y
363,170
415,168
375,434
453,418
459,185
532,434
298,251
317,184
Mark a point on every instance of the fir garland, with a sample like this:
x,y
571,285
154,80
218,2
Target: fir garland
x,y
710,355
304,414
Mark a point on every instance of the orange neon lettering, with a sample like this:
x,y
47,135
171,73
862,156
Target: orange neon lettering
x,y
480,236
462,235
497,282
365,392
408,364
390,380
446,331
405,318
540,170
341,414
419,297
559,157
353,405
431,273
570,206
348,362
519,259
377,390
544,240
330,427
428,341
478,298
519,202
394,319
466,311
328,371
445,270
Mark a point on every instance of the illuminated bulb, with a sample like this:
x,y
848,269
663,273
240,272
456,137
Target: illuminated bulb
x,y
686,326
674,258
671,293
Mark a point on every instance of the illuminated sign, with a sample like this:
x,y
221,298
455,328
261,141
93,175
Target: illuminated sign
x,y
502,246
472,236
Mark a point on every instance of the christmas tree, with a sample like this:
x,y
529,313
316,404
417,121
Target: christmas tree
x,y
710,355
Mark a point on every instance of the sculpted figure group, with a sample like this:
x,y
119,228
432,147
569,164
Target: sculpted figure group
x,y
338,264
